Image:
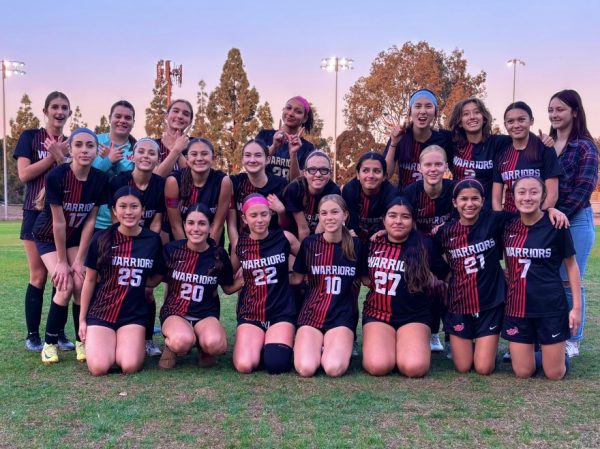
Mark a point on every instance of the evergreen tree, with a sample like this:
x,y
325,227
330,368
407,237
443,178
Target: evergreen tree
x,y
77,120
103,127
201,126
155,113
231,112
265,117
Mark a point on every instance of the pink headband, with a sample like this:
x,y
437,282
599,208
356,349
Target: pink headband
x,y
254,201
304,102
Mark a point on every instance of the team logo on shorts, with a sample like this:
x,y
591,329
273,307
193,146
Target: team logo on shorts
x,y
512,331
459,327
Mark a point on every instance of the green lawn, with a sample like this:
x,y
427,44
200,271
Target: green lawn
x,y
188,407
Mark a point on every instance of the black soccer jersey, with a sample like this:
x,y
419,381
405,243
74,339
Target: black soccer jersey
x,y
163,153
279,164
208,194
366,212
298,199
193,279
430,212
534,256
266,293
153,198
31,146
333,285
77,199
242,187
388,298
473,253
476,161
511,165
408,163
119,293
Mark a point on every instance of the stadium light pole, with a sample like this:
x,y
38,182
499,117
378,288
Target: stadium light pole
x,y
514,62
335,64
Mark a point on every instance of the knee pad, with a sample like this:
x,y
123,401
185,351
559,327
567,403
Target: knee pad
x,y
277,358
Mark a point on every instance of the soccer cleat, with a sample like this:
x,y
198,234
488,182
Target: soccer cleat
x,y
151,349
64,344
80,351
49,354
435,343
168,359
34,343
572,348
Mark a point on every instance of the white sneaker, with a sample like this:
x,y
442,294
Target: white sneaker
x,y
435,343
506,357
572,348
151,349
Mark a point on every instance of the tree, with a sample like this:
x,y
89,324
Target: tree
x,y
155,113
315,136
351,144
398,72
265,117
25,119
201,125
231,112
77,120
103,127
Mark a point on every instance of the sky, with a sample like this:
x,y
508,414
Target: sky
x,y
98,52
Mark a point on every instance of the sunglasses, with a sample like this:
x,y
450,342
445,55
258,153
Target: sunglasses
x,y
313,170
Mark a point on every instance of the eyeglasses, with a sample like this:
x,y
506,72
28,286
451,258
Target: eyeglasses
x,y
322,170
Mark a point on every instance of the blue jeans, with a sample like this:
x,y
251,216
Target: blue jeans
x,y
582,231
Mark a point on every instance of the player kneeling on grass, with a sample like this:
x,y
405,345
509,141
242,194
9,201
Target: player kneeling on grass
x,y
113,303
536,304
194,268
397,312
329,311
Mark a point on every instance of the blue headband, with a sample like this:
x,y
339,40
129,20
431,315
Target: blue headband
x,y
83,130
422,93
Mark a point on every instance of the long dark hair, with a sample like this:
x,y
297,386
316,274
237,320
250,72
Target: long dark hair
x,y
534,148
347,240
418,275
459,136
187,182
572,99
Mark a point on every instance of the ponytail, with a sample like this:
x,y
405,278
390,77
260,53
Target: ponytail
x,y
187,184
105,243
419,278
348,244
40,199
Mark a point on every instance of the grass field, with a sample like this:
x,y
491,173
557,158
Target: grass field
x,y
63,406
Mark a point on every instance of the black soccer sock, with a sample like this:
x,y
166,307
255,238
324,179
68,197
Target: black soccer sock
x,y
62,330
76,309
57,318
277,358
150,319
34,299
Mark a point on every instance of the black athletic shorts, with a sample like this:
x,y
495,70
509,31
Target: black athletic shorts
x,y
471,326
544,330
191,319
118,324
424,318
29,217
50,247
264,325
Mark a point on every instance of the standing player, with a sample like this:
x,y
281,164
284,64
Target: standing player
x,y
198,183
63,232
37,152
408,139
578,157
329,313
397,312
527,156
194,268
287,149
265,313
367,195
174,139
113,302
431,199
536,305
303,195
255,180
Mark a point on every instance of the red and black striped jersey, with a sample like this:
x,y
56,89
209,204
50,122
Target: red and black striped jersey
x,y
409,151
333,282
366,212
192,279
384,263
153,198
242,187
476,161
208,194
76,197
279,163
511,164
266,292
430,212
31,146
121,283
474,253
534,255
297,198
163,153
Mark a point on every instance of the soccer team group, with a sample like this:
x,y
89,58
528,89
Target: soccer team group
x,y
109,218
